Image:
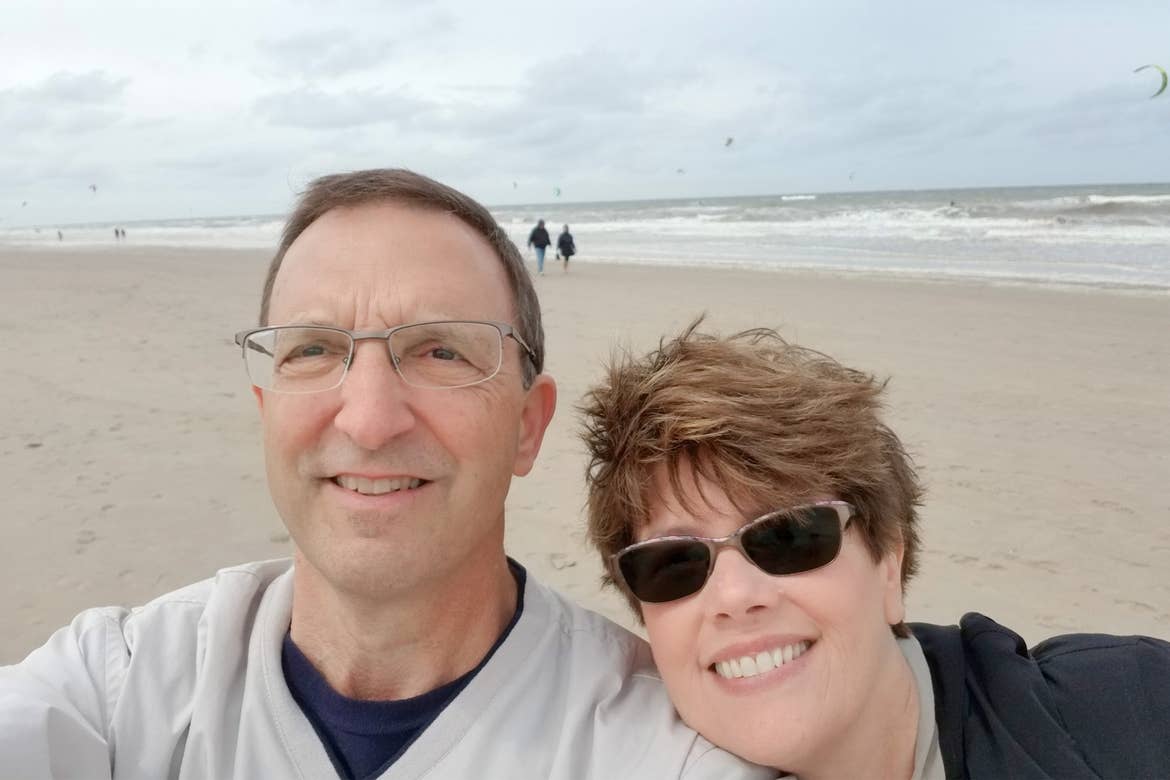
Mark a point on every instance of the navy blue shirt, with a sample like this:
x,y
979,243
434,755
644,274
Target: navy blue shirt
x,y
363,738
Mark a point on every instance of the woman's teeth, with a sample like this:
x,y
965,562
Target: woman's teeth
x,y
763,661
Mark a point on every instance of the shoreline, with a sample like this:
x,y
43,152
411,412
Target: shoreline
x,y
844,273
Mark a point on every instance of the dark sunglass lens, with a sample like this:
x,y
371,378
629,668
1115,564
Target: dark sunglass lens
x,y
666,570
794,542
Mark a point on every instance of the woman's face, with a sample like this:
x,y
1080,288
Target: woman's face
x,y
839,616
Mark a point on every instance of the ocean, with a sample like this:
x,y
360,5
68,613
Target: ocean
x,y
1099,235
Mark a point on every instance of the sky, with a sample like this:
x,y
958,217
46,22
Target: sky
x,y
178,110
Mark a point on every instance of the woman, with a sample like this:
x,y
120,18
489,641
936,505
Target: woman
x,y
761,520
566,247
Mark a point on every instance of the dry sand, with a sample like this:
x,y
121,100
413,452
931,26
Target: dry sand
x,y
1039,418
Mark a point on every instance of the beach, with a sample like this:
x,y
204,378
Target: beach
x,y
1038,417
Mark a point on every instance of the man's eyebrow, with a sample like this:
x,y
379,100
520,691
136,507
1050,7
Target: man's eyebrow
x,y
325,322
306,319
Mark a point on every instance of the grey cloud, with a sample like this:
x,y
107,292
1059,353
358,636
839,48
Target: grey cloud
x,y
587,100
1111,115
86,120
599,80
313,109
63,103
438,22
92,87
328,53
236,161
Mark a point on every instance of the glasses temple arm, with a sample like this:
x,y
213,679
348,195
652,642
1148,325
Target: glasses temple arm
x,y
252,345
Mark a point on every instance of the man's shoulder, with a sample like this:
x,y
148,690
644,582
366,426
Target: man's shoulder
x,y
591,633
234,585
241,579
585,690
177,621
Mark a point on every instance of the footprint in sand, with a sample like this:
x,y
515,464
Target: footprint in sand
x,y
84,538
561,561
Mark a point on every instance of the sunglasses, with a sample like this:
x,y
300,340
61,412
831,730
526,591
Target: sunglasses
x,y
788,541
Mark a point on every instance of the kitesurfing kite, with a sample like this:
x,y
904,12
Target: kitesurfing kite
x,y
557,191
93,188
1165,79
729,141
680,170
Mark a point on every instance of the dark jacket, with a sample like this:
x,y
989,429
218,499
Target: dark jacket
x,y
539,238
565,245
1076,706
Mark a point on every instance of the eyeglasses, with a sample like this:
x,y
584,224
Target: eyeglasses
x,y
788,541
314,358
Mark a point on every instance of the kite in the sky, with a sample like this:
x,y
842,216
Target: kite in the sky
x,y
729,141
680,170
513,185
23,203
557,191
1165,79
93,188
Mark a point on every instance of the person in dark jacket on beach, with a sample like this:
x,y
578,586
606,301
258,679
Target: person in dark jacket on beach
x,y
539,240
565,247
762,522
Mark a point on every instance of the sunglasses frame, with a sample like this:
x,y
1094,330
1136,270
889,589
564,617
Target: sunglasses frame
x,y
845,514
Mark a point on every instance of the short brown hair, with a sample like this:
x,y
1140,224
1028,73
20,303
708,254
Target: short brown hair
x,y
411,189
769,422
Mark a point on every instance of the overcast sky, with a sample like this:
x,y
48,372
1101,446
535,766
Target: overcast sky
x,y
206,109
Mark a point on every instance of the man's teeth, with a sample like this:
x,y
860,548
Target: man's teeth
x,y
376,487
763,661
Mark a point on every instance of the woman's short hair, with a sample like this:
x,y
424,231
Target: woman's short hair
x,y
771,423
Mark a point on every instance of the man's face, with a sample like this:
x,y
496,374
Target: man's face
x,y
431,467
833,623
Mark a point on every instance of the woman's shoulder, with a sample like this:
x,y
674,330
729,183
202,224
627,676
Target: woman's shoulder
x,y
1096,698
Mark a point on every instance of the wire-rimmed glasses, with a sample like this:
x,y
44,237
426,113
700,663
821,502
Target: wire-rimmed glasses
x,y
437,354
786,541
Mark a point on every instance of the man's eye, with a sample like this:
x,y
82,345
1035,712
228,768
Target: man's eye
x,y
443,353
306,352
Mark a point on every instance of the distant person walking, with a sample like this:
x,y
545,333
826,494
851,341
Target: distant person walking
x,y
539,239
565,247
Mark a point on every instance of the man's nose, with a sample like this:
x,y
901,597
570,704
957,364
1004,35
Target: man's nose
x,y
738,588
375,401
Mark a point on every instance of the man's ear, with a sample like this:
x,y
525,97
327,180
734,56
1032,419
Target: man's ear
x,y
539,405
891,572
256,391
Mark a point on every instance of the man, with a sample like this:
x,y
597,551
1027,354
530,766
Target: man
x,y
539,239
398,373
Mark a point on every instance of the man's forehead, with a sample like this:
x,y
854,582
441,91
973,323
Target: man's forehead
x,y
384,228
393,252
